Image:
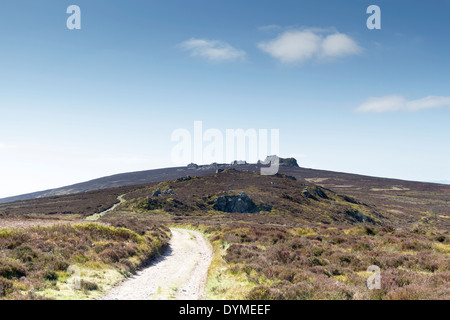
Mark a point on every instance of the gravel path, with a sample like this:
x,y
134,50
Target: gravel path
x,y
97,216
179,274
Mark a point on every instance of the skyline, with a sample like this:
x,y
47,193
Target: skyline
x,y
81,104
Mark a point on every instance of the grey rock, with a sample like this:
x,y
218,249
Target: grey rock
x,y
307,194
284,162
320,193
156,193
359,216
235,204
192,166
168,191
238,163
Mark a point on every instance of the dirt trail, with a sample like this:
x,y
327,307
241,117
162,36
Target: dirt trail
x,y
97,216
179,274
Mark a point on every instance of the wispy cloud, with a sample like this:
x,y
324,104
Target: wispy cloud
x,y
270,27
399,103
301,45
213,50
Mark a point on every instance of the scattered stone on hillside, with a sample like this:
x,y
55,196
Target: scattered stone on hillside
x,y
213,165
307,194
192,166
239,163
284,162
235,204
168,191
359,216
220,170
156,193
320,193
187,178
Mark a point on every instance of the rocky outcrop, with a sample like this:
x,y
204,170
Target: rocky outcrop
x,y
358,216
187,178
308,194
320,193
158,192
239,163
235,204
192,166
284,162
314,193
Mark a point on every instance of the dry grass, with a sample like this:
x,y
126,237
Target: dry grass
x,y
255,261
34,261
301,246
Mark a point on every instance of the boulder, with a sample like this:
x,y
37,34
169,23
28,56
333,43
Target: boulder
x,y
239,163
156,193
320,193
187,178
359,216
192,166
168,191
308,194
284,162
235,204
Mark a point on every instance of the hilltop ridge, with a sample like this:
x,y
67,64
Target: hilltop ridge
x,y
142,177
403,201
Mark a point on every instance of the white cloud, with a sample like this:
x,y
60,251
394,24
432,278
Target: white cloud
x,y
213,50
301,45
338,45
292,46
399,103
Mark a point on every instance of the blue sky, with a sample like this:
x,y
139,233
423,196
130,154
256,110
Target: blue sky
x,y
80,104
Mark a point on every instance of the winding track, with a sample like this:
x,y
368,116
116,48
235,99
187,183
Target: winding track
x,y
97,216
180,273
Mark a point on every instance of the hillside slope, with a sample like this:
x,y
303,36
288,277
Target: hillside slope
x,y
402,201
